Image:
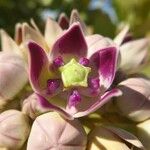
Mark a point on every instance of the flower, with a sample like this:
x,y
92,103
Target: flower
x,y
112,138
74,78
135,97
54,132
133,52
14,129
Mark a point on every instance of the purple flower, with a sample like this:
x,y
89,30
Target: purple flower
x,y
75,84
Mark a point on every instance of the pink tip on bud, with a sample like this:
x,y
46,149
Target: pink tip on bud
x,y
74,98
58,62
84,61
52,85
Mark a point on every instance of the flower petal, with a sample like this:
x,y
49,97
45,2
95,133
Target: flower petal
x,y
8,44
52,31
18,33
133,54
72,42
50,107
32,34
120,37
96,42
107,65
99,103
63,21
126,136
75,17
38,67
34,25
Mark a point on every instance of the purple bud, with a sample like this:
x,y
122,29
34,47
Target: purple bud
x,y
52,85
84,61
58,62
94,83
74,98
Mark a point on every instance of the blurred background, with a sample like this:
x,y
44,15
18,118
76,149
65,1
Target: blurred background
x,y
103,16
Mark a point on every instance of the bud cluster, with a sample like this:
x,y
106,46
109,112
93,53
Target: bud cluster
x,y
69,89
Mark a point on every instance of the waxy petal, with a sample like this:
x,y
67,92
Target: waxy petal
x,y
38,67
126,136
18,33
99,103
52,31
50,107
72,42
101,137
107,66
113,138
63,21
120,37
75,17
133,54
96,42
35,25
8,44
32,34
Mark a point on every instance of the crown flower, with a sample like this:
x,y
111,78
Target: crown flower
x,y
77,71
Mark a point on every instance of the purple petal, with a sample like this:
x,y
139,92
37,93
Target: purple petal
x,y
50,107
63,21
75,17
107,66
99,103
38,66
71,42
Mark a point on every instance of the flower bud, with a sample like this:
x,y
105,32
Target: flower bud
x,y
143,132
32,107
51,131
13,75
110,138
133,54
14,129
134,102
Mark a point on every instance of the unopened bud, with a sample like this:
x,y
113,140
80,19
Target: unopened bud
x,y
135,101
14,129
51,131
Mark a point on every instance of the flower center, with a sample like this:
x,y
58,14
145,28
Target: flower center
x,y
74,74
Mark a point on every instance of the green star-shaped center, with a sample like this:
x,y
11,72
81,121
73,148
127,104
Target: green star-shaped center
x,y
74,74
